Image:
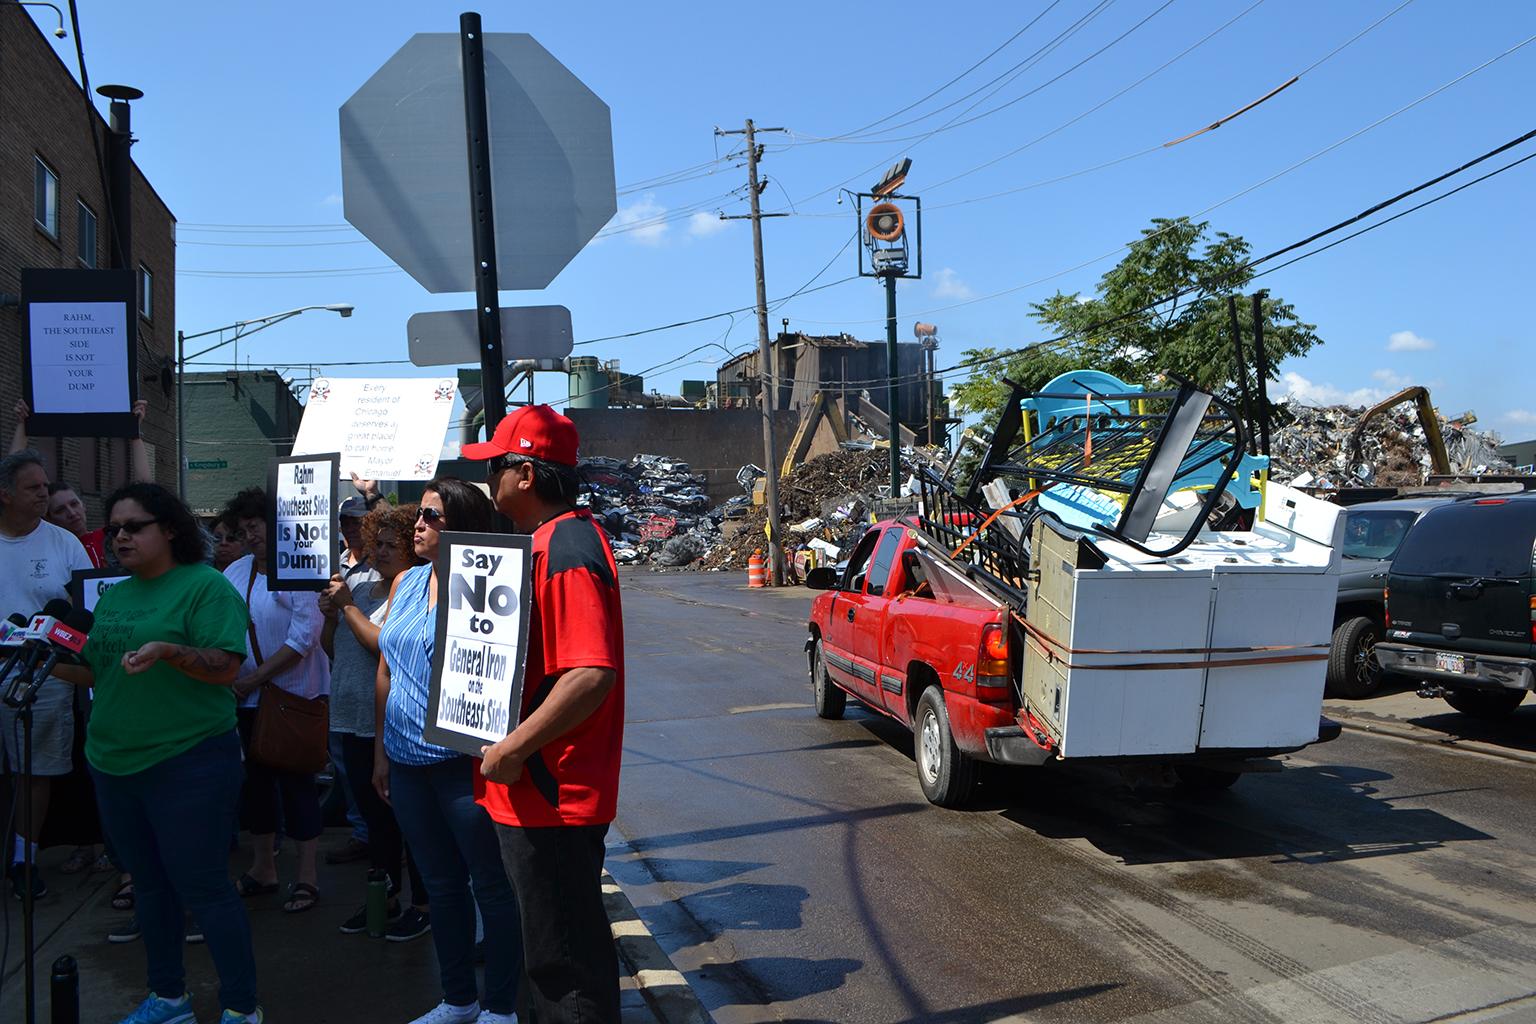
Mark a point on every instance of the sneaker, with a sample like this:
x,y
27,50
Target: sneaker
x,y
155,1010
487,1017
128,931
231,1017
352,851
412,924
39,887
358,922
447,1013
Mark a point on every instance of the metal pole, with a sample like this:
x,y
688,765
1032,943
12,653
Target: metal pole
x,y
181,414
891,388
482,221
28,911
770,457
119,141
1245,411
1261,369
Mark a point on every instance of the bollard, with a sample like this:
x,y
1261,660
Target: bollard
x,y
378,902
757,573
64,991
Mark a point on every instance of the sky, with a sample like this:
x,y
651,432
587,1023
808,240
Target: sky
x,y
1036,132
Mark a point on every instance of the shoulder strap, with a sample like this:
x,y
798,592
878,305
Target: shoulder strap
x,y
250,620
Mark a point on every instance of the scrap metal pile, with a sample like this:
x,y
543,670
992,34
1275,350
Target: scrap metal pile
x,y
654,508
1394,451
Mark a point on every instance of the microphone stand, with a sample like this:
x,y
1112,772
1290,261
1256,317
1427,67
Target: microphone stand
x,y
24,702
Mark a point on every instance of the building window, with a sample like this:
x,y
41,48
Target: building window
x,y
45,197
85,236
146,293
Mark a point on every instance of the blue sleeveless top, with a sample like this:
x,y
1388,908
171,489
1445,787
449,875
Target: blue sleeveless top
x,y
406,641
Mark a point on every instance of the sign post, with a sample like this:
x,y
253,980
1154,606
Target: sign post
x,y
303,544
79,352
476,693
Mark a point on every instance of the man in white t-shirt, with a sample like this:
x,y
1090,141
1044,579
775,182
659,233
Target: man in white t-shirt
x,y
36,562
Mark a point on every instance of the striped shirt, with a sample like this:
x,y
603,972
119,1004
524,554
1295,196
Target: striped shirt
x,y
406,642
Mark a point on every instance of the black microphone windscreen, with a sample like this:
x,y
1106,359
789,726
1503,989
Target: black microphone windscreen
x,y
58,608
18,619
80,619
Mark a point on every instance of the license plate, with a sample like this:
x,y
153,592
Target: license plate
x,y
1451,662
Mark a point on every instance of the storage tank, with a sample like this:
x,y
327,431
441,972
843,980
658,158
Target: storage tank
x,y
588,383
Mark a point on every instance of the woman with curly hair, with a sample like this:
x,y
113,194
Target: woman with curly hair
x,y
354,608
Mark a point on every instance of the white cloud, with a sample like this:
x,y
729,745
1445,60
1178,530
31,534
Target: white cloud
x,y
1391,379
1407,341
334,199
703,224
1520,417
947,285
642,222
1300,389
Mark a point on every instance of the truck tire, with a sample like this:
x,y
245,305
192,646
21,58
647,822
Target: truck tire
x,y
830,701
945,774
1352,668
1486,704
1199,779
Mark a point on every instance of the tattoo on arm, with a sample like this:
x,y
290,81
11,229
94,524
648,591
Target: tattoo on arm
x,y
204,663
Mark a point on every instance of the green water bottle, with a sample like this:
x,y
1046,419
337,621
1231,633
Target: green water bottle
x,y
378,902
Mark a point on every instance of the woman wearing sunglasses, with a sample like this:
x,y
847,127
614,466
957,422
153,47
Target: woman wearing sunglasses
x,y
162,748
432,788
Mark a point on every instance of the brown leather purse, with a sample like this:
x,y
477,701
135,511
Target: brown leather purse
x,y
291,733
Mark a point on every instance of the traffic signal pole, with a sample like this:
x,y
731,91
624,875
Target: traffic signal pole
x,y
891,387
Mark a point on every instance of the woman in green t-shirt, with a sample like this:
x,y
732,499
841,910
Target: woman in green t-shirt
x,y
162,747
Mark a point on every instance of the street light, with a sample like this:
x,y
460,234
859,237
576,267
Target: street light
x,y
242,328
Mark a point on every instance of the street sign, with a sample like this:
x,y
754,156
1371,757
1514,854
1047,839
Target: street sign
x,y
405,171
452,337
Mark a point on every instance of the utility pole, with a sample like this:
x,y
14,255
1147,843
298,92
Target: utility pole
x,y
765,373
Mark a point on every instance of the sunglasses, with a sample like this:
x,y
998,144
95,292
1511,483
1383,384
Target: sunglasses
x,y
430,516
131,527
500,463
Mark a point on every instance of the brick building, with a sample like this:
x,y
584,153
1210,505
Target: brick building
x,y
237,422
54,213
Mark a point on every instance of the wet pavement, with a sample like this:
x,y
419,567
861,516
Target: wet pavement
x,y
793,870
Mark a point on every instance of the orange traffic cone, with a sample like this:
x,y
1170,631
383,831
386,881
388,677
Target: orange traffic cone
x,y
757,570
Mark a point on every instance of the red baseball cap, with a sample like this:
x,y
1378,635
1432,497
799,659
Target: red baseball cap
x,y
536,431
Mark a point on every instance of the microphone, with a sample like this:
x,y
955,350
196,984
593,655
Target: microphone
x,y
40,645
14,640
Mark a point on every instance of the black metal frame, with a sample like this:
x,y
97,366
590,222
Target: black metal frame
x,y
916,230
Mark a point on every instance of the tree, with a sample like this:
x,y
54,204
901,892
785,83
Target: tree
x,y
1186,333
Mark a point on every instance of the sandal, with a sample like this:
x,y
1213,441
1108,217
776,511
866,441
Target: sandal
x,y
301,896
245,885
79,859
122,899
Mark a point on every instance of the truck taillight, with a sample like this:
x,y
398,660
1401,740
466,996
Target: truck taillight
x,y
1386,610
992,659
1533,620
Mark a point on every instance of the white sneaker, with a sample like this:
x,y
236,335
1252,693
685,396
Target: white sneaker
x,y
487,1017
447,1013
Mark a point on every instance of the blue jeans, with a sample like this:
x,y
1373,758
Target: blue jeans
x,y
454,843
170,826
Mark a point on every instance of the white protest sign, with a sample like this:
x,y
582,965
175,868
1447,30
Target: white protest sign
x,y
303,543
79,357
87,586
476,693
386,428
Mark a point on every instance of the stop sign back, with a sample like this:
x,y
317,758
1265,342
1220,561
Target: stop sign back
x,y
405,172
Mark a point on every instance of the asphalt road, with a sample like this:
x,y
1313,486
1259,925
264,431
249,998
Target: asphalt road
x,y
793,870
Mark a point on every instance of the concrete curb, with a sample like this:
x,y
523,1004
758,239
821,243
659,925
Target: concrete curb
x,y
662,985
1415,734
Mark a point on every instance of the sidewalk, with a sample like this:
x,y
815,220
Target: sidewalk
x,y
310,973
1400,712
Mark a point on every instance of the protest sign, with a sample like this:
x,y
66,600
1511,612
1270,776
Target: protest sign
x,y
303,544
87,585
80,353
476,693
388,428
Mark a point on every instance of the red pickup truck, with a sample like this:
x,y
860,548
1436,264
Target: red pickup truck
x,y
946,673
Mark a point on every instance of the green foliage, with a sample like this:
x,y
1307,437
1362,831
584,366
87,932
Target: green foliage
x,y
1189,337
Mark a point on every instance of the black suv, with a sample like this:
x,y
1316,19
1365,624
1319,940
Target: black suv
x,y
1461,608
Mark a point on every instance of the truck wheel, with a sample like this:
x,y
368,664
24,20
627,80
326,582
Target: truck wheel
x,y
830,701
1489,704
1352,668
1200,779
945,774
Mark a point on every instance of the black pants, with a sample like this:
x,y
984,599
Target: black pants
x,y
385,844
567,943
273,797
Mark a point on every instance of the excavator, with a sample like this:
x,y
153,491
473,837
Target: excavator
x,y
1440,462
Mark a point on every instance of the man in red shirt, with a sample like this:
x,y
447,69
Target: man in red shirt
x,y
552,785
